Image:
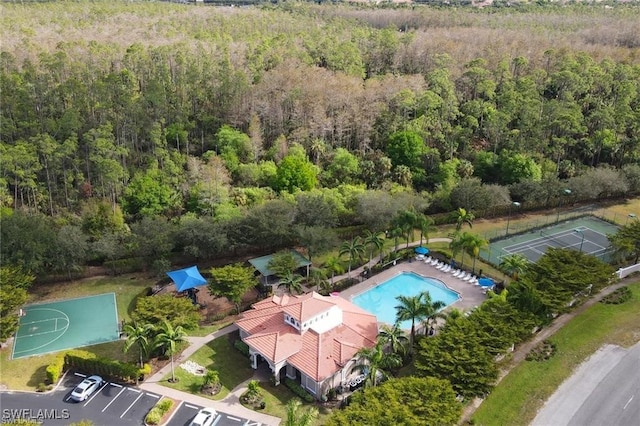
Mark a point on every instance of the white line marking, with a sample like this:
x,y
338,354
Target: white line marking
x,y
116,385
111,402
191,406
234,418
136,400
628,402
134,390
95,394
216,421
153,395
79,374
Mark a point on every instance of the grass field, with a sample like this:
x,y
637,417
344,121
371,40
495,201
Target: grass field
x,y
524,390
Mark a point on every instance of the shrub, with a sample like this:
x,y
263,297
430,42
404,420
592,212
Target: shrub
x,y
54,370
88,362
242,347
619,296
542,352
41,387
158,411
298,390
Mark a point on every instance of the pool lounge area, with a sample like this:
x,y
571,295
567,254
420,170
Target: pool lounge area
x,y
470,295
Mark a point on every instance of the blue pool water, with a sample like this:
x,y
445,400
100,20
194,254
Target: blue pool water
x,y
381,300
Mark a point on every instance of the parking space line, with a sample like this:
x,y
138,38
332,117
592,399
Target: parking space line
x,y
79,374
234,418
216,420
95,394
136,400
116,385
174,412
153,395
134,390
111,402
191,406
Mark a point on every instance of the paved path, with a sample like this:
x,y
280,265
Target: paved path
x,y
521,351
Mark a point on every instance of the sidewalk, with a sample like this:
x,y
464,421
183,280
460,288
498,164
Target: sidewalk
x,y
230,404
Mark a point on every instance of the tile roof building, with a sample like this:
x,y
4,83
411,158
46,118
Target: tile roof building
x,y
311,338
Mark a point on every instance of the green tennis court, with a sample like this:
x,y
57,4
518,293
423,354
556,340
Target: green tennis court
x,y
67,324
587,234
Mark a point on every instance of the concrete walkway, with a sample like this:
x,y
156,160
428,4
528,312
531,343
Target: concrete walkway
x,y
230,404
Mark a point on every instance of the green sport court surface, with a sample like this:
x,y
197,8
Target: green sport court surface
x,y
67,324
587,233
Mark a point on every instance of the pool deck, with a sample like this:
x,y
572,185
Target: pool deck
x,y
471,295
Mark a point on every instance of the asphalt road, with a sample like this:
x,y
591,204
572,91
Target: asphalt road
x,y
605,390
110,405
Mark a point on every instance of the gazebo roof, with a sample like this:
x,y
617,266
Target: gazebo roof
x,y
261,263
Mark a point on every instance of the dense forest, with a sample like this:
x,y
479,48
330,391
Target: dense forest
x,y
149,129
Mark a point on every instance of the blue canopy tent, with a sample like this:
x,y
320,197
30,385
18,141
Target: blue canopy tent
x,y
486,282
422,250
187,278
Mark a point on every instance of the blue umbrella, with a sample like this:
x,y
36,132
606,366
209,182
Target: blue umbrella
x,y
422,250
187,278
486,282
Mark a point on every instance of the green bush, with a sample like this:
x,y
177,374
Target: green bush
x,y
41,387
124,266
298,390
55,369
158,411
242,347
619,296
88,362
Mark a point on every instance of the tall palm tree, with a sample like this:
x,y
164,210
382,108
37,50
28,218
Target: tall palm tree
x,y
374,363
406,220
354,249
291,282
456,246
396,233
425,224
394,338
373,240
138,334
431,309
334,265
514,264
462,216
167,340
297,417
410,308
473,243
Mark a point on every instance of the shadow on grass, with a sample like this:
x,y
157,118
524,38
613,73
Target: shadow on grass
x,y
38,376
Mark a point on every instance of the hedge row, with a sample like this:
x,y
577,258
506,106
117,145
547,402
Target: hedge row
x,y
298,390
55,369
87,361
242,347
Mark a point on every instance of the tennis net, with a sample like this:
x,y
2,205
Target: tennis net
x,y
559,241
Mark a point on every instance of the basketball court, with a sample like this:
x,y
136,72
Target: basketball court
x,y
66,324
585,234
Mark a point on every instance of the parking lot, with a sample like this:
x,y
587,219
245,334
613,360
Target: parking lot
x,y
112,404
185,413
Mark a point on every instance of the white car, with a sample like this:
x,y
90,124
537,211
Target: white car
x,y
205,417
86,388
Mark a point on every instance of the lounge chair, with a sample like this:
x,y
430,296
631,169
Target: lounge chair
x,y
457,273
464,276
427,259
469,278
434,262
447,268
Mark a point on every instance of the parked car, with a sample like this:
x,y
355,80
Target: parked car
x,y
86,388
205,417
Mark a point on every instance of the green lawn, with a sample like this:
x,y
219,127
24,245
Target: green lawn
x,y
521,393
220,355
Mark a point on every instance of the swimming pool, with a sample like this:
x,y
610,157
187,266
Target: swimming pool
x,y
381,300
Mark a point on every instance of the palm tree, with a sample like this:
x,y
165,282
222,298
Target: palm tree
x,y
431,309
410,308
394,337
334,265
406,220
138,334
425,224
473,243
456,246
291,282
514,264
295,417
462,216
354,249
374,362
396,233
373,240
167,340
318,279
